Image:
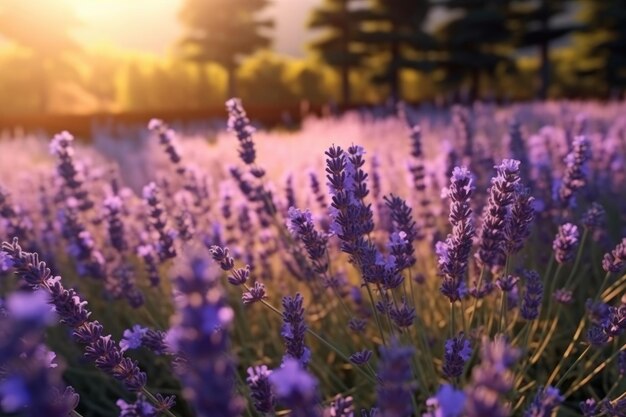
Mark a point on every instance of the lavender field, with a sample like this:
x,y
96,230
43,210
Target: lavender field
x,y
466,261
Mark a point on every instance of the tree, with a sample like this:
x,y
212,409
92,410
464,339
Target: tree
x,y
475,42
338,47
395,28
606,30
43,28
223,31
534,27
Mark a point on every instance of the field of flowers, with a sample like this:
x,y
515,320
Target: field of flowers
x,y
414,262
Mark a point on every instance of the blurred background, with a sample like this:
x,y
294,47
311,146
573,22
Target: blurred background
x,y
68,60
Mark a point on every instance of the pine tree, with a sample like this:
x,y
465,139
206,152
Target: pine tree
x,y
606,29
476,42
339,46
43,28
533,24
223,31
396,30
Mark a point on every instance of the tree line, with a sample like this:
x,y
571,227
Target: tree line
x,y
365,51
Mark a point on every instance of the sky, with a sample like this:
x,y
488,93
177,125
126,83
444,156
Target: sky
x,y
115,22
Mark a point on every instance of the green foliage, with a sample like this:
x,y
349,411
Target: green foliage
x,y
607,50
476,42
339,46
223,31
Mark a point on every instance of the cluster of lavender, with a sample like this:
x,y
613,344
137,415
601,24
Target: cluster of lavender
x,y
30,382
319,301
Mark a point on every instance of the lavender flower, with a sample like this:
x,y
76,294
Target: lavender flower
x,y
614,260
168,141
61,146
544,403
403,223
156,212
396,385
565,243
317,191
531,303
300,224
589,407
361,357
294,329
139,408
115,225
239,276
403,315
239,123
594,218
72,312
448,402
457,352
340,407
256,293
507,283
133,337
575,176
29,383
261,389
563,296
296,388
453,254
517,229
501,196
199,335
491,380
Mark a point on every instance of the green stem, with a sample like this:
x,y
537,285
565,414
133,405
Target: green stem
x,y
380,327
570,369
320,338
154,401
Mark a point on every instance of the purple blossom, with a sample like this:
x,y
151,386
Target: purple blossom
x,y
300,224
33,307
199,336
139,408
256,293
492,379
589,407
614,260
133,337
396,386
517,228
544,403
457,352
453,254
296,388
294,329
575,176
239,123
361,357
565,243
260,388
491,251
340,406
448,402
72,311
563,296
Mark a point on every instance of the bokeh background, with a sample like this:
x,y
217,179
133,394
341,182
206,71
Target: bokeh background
x,y
185,57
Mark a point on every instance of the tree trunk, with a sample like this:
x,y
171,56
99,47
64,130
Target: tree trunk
x,y
394,81
544,51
